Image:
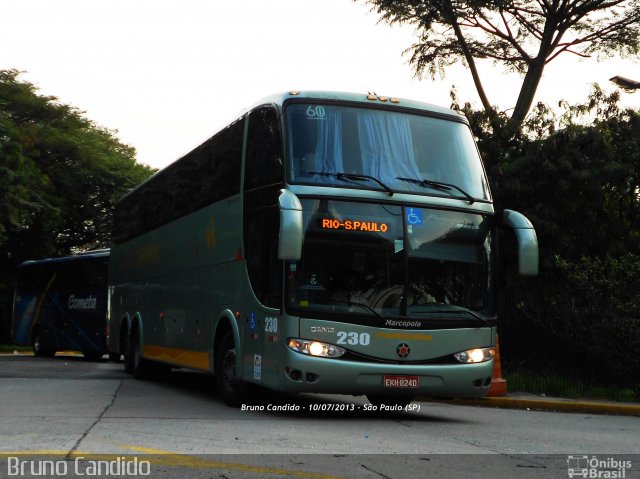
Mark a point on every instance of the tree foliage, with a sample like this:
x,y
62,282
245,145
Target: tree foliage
x,y
60,176
523,36
576,176
578,180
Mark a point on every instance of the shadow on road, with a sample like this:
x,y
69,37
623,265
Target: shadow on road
x,y
199,385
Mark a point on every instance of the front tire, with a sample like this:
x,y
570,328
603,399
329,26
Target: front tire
x,y
230,387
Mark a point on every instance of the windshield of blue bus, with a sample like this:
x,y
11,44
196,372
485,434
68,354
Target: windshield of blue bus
x,y
327,143
373,261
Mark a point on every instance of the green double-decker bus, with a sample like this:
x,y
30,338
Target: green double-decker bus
x,y
322,242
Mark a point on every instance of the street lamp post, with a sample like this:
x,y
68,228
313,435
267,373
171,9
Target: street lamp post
x,y
625,83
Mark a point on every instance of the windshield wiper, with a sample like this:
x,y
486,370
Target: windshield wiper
x,y
457,311
354,177
438,185
353,303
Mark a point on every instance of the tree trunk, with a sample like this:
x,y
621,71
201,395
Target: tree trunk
x,y
534,73
472,67
448,11
527,92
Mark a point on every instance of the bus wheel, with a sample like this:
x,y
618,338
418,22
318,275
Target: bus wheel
x,y
128,355
140,367
39,350
393,401
230,386
91,355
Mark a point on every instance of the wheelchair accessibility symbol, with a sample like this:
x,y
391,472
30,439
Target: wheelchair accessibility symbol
x,y
414,216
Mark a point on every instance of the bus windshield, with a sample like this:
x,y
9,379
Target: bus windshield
x,y
372,261
397,151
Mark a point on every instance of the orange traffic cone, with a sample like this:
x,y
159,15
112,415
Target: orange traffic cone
x,y
498,383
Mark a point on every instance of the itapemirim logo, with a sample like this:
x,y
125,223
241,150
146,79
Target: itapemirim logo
x,y
597,468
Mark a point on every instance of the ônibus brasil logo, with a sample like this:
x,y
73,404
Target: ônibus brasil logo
x,y
594,467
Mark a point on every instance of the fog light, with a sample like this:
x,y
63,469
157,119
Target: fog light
x,y
293,374
478,355
315,348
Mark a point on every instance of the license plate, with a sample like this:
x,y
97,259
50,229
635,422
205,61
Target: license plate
x,y
401,382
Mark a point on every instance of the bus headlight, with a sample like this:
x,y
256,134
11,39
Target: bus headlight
x,y
479,355
315,348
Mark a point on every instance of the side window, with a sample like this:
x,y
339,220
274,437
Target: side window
x,y
220,164
86,274
264,164
126,221
263,179
207,174
33,277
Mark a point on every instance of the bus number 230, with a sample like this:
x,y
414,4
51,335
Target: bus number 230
x,y
353,338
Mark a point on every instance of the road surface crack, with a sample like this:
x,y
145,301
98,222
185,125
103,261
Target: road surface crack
x,y
531,463
374,471
404,424
69,455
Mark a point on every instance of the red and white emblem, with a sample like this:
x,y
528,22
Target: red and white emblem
x,y
403,350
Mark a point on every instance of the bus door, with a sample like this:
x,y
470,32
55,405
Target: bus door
x,y
263,180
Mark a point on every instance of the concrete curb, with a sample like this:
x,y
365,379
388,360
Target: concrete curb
x,y
552,404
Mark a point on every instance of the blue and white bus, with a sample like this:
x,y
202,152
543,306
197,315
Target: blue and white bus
x,y
61,304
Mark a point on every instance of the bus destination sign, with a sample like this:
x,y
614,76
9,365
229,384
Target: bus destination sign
x,y
353,225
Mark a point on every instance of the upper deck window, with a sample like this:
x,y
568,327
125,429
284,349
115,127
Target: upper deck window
x,y
396,148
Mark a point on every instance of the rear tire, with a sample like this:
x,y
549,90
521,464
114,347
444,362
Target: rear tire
x,y
231,388
128,354
140,367
91,355
135,364
39,350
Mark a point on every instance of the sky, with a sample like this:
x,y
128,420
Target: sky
x,y
167,74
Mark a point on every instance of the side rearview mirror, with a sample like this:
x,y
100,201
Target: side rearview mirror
x,y
527,242
291,234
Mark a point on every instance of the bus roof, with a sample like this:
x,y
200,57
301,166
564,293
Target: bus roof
x,y
99,253
369,99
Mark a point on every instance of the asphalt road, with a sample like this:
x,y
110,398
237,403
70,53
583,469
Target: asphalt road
x,y
64,408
